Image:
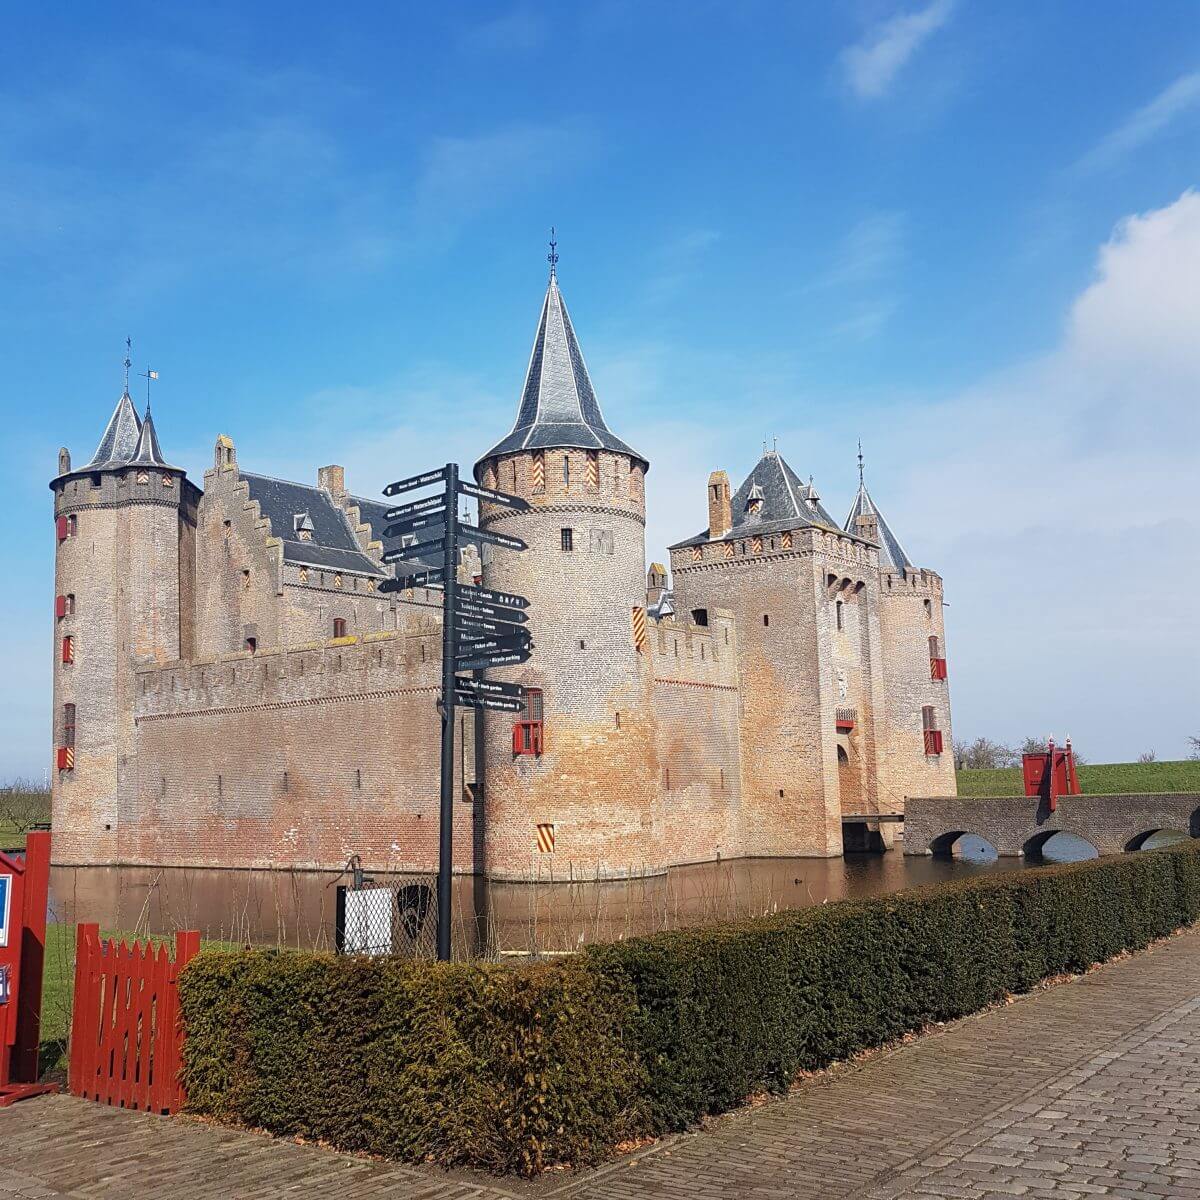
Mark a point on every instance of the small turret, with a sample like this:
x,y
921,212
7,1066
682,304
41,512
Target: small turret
x,y
866,521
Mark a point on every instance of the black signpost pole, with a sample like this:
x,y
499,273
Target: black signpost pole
x,y
449,649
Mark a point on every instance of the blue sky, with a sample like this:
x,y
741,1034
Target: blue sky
x,y
963,232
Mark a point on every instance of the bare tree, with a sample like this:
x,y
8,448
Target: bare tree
x,y
24,804
1147,756
982,755
1195,744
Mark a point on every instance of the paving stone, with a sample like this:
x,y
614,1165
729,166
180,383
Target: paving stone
x,y
1084,1090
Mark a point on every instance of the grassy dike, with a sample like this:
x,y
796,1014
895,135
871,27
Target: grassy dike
x,y
517,1069
1102,779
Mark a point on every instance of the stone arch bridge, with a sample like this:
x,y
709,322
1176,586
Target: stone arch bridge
x,y
1021,825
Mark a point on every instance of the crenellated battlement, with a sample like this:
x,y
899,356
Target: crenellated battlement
x,y
341,667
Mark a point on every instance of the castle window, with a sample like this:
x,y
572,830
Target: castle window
x,y
251,644
700,616
339,627
932,734
358,778
937,659
246,579
67,527
68,649
766,619
568,539
96,479
566,470
837,608
618,716
68,725
64,606
527,732
337,580
928,610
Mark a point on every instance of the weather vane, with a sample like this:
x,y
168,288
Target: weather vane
x,y
552,257
148,375
860,462
128,362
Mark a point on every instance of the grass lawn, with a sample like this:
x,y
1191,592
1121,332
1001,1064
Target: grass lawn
x,y
1101,779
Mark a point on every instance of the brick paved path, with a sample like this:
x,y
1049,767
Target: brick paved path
x,y
1089,1089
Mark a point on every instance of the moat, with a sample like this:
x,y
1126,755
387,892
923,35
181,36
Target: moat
x,y
298,908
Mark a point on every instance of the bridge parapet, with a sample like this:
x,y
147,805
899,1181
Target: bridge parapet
x,y
1017,825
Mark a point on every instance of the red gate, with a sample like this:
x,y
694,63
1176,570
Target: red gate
x,y
125,1031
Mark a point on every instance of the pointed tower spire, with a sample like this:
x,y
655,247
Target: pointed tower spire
x,y
558,406
148,453
865,520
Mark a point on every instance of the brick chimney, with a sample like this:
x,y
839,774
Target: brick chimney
x,y
333,480
720,514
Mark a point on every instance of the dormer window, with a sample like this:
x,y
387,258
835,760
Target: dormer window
x,y
303,526
754,501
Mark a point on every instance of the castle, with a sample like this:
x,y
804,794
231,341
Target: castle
x,y
231,687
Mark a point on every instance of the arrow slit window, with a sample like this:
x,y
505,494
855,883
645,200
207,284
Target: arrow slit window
x,y
527,732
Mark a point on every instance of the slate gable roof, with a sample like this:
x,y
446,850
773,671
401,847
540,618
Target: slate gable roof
x,y
787,503
558,406
891,553
334,545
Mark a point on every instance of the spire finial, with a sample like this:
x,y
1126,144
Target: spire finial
x,y
860,463
128,362
552,257
774,445
148,375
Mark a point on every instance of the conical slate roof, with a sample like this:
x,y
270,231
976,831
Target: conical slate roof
x,y
148,452
558,404
120,440
781,500
891,553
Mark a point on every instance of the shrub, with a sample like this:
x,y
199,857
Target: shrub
x,y
518,1069
724,1012
510,1069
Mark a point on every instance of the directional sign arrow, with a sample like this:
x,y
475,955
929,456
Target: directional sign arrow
x,y
486,535
487,596
488,645
487,613
415,481
413,524
494,497
403,552
470,700
484,661
417,506
489,687
483,626
421,579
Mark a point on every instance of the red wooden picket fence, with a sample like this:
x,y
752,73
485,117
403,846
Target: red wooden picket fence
x,y
125,1031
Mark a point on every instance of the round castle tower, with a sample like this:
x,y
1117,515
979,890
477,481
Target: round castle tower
x,y
590,791
121,527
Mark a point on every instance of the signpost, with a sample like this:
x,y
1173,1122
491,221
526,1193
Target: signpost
x,y
481,628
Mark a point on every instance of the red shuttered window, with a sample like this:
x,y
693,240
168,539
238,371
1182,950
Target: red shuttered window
x,y
527,732
68,649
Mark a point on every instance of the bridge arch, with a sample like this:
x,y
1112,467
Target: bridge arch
x,y
945,843
1035,848
1163,836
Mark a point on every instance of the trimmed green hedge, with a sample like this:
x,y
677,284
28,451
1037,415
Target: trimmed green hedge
x,y
518,1069
510,1070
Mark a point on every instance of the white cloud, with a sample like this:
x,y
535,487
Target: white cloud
x,y
1180,98
871,64
1058,500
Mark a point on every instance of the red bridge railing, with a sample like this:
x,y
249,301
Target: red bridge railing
x,y
125,1030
